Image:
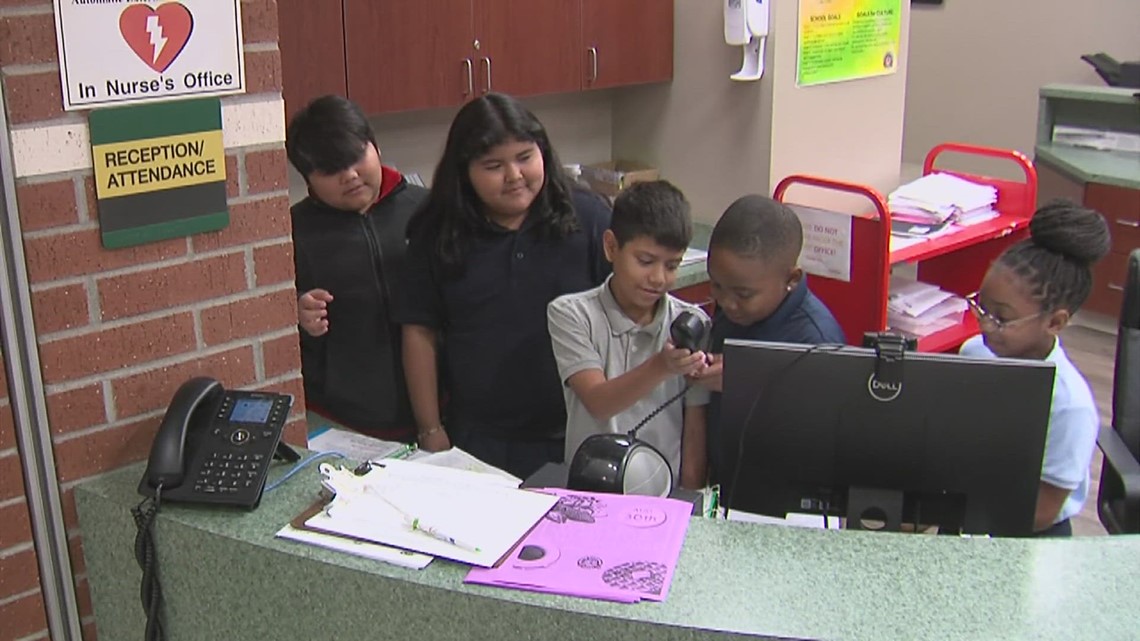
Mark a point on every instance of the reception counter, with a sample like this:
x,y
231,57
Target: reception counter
x,y
225,576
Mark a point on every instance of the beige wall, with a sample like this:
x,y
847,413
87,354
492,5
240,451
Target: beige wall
x,y
719,139
708,134
976,65
848,131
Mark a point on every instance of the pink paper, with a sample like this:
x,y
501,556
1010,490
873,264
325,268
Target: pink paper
x,y
599,546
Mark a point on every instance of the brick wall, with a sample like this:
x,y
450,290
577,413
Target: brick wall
x,y
119,330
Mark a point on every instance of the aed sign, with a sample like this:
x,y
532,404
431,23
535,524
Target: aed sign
x,y
119,52
160,170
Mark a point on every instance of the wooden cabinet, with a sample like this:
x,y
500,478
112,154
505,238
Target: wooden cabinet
x,y
528,47
401,55
1121,208
311,40
407,54
627,42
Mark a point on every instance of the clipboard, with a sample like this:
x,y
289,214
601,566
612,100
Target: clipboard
x,y
297,530
490,516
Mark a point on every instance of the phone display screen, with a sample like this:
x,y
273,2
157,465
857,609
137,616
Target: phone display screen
x,y
251,410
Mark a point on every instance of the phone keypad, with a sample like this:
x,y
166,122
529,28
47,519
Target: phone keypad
x,y
242,451
226,472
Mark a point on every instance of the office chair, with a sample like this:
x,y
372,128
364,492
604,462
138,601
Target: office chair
x,y
1118,505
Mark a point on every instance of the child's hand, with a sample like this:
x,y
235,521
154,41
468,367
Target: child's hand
x,y
712,376
682,361
313,312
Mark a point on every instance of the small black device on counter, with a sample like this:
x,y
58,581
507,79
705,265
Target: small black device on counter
x,y
215,445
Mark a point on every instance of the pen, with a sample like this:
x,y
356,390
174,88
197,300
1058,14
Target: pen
x,y
434,532
417,524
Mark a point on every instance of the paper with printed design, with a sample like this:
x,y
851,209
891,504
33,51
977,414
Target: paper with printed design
x,y
601,546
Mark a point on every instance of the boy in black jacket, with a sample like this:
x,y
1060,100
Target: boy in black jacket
x,y
348,237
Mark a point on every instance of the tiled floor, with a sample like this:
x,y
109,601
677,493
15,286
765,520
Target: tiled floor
x,y
1093,351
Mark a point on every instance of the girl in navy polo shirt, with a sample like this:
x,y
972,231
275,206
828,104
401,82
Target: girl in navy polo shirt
x,y
503,233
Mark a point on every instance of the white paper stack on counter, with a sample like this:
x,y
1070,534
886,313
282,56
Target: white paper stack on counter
x,y
920,309
938,204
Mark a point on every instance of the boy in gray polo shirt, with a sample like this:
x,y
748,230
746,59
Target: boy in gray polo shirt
x,y
612,345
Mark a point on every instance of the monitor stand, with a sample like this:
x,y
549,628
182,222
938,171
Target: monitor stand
x,y
874,509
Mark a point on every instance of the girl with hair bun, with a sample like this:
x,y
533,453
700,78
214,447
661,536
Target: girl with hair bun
x,y
1027,297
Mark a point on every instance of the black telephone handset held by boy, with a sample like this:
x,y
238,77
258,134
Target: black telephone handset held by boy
x,y
215,445
688,331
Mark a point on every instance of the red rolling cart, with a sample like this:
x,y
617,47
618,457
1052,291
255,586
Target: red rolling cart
x,y
955,262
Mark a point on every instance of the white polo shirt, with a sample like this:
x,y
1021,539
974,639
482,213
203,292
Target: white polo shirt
x,y
589,330
1073,426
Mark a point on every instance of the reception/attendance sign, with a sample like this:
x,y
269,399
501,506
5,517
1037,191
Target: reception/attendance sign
x,y
117,52
847,39
160,171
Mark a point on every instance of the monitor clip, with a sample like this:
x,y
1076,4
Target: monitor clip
x,y
889,351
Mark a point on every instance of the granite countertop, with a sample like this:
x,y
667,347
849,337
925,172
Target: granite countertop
x,y
695,273
1097,93
1119,168
743,579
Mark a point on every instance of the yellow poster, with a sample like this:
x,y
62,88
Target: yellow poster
x,y
847,39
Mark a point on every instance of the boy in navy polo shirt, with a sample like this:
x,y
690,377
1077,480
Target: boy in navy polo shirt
x,y
760,292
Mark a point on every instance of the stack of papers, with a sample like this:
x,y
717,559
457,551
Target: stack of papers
x,y
465,516
356,547
458,459
602,546
921,309
356,446
1098,139
938,204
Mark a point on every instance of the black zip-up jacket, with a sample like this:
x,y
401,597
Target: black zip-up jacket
x,y
354,372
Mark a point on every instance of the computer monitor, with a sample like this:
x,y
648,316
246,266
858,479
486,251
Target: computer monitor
x,y
933,439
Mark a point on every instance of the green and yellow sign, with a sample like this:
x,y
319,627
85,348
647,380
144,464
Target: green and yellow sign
x,y
160,171
847,39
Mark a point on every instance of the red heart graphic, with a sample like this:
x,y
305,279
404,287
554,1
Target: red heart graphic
x,y
156,36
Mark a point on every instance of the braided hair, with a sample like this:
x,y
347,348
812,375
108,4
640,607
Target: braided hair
x,y
1056,260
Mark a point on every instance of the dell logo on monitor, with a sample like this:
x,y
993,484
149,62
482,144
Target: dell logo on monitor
x,y
882,391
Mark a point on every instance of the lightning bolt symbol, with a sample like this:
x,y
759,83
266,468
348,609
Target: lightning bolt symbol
x,y
156,38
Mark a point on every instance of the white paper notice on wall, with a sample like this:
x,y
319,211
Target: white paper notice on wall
x,y
115,52
827,242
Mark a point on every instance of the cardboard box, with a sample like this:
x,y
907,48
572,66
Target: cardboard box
x,y
609,178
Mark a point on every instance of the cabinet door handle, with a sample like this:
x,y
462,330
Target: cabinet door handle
x,y
1116,288
593,56
470,77
1128,223
487,61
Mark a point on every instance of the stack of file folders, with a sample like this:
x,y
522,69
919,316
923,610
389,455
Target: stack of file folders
x,y
920,309
938,203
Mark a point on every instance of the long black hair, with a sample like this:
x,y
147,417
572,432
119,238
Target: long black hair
x,y
451,214
1056,260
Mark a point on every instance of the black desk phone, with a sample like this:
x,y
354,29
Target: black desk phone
x,y
215,445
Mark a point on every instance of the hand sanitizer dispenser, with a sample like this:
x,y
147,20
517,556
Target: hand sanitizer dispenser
x,y
746,26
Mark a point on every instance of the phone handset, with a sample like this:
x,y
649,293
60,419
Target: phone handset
x,y
194,401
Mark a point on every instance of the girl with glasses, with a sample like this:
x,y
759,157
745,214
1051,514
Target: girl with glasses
x,y
1027,297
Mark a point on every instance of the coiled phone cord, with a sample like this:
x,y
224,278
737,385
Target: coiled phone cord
x,y
150,590
660,408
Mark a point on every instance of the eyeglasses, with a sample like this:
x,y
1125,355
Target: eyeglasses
x,y
986,318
